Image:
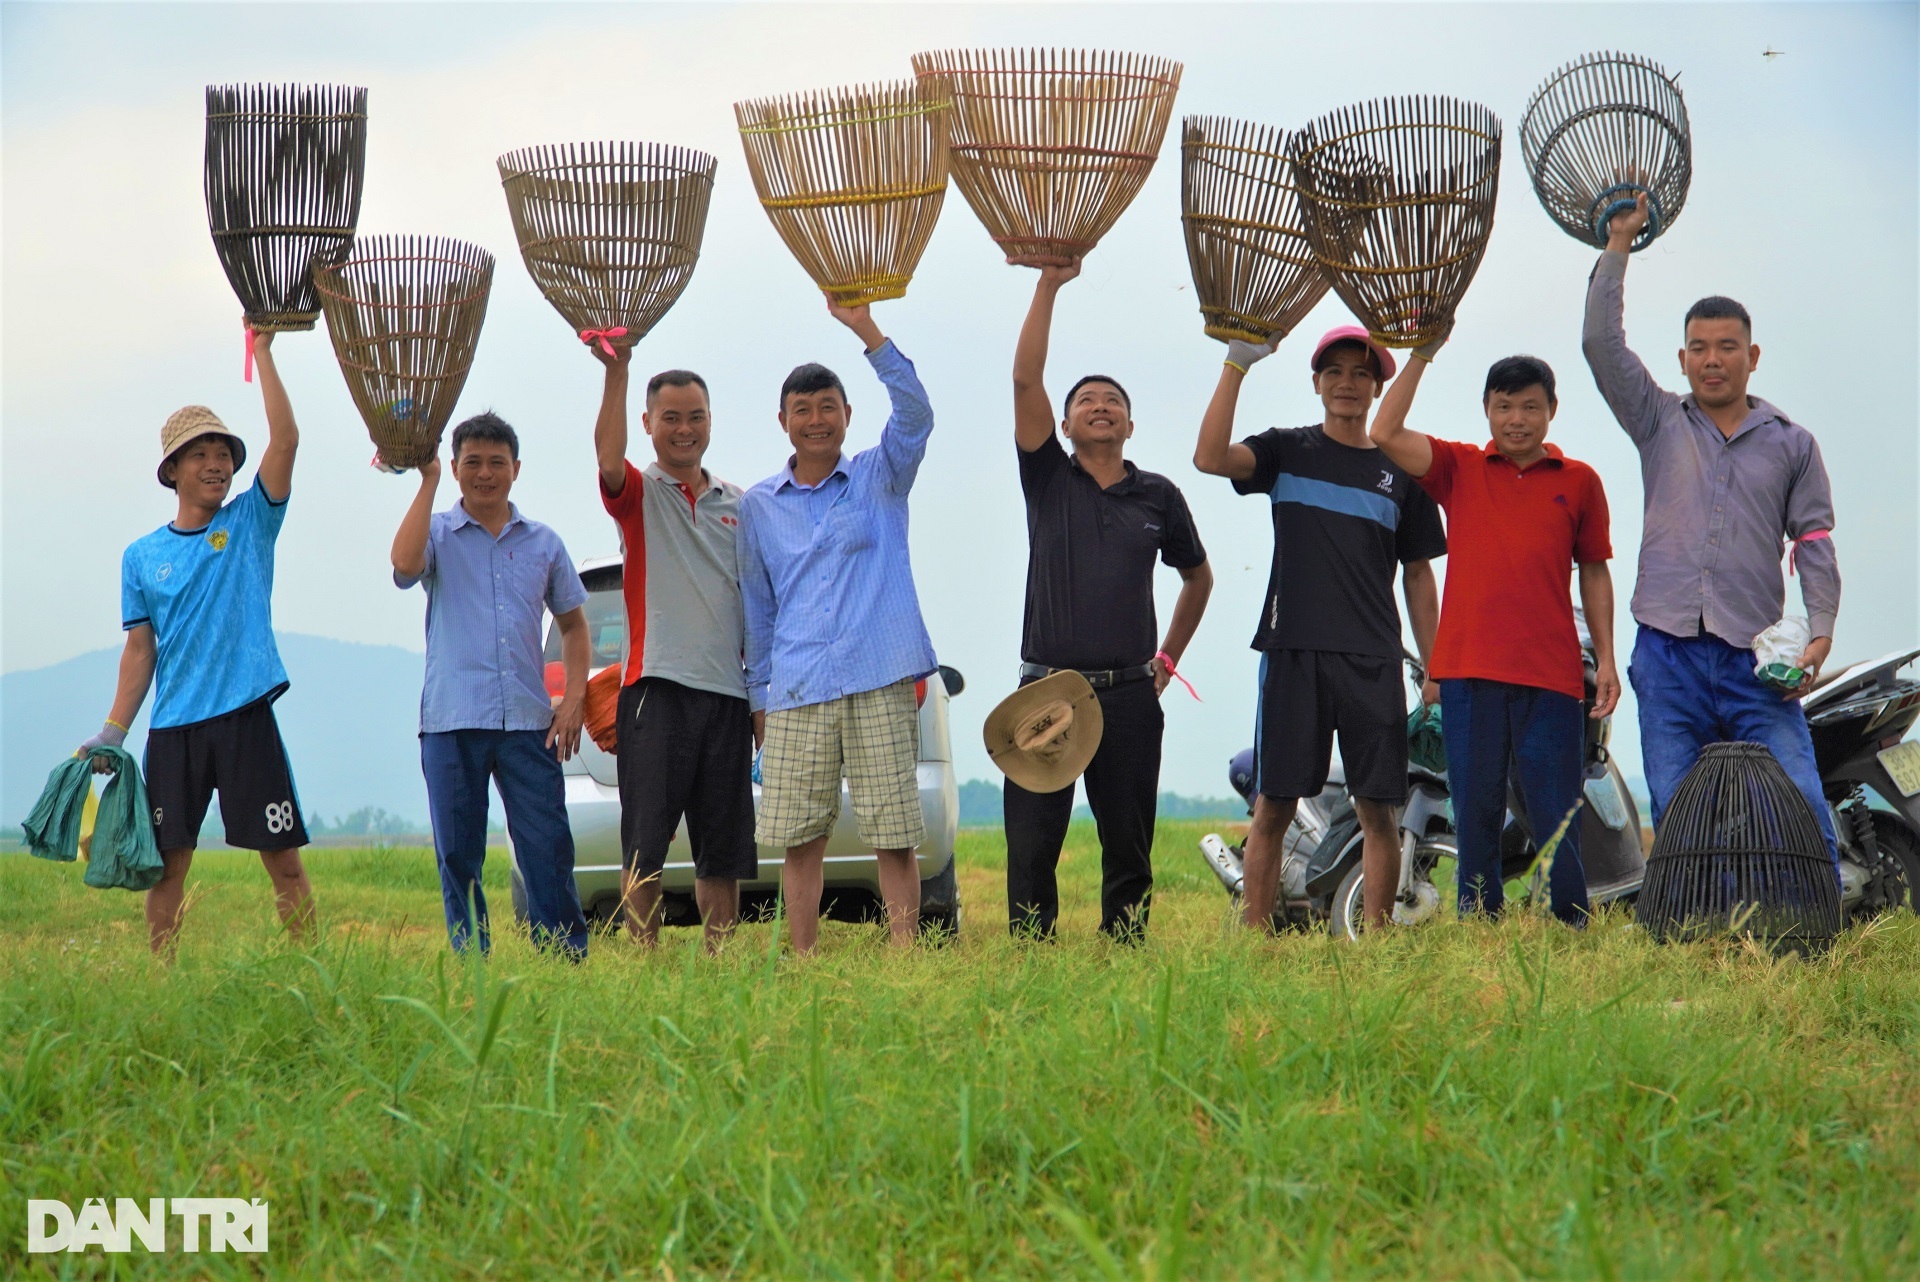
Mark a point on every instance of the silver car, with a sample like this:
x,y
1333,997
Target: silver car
x,y
852,891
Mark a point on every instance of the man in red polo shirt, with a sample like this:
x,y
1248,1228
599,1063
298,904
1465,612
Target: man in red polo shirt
x,y
1520,517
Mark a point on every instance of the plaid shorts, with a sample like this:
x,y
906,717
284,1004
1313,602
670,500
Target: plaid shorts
x,y
873,738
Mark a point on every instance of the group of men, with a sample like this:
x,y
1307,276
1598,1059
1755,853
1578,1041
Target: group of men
x,y
782,620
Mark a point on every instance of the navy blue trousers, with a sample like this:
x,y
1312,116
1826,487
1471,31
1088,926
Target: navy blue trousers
x,y
458,764
1698,690
1496,731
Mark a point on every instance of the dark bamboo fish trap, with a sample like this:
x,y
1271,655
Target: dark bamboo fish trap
x,y
1601,131
610,232
404,313
1739,849
283,175
853,180
1050,146
1253,271
1397,196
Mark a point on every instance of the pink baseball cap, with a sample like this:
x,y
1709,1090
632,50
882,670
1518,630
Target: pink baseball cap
x,y
1353,334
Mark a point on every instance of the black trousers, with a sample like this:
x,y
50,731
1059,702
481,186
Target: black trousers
x,y
1123,783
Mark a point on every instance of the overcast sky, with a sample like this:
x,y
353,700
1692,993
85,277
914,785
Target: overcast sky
x,y
116,312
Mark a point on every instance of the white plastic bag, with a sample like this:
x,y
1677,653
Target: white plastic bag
x,y
1777,651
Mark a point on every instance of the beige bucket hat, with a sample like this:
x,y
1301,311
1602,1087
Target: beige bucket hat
x,y
1043,735
187,424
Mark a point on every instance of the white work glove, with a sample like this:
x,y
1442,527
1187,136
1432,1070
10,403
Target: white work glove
x,y
1428,350
1243,355
110,736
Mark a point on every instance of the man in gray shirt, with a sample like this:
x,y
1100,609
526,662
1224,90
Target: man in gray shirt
x,y
1730,482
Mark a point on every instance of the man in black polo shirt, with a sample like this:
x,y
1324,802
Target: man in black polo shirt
x,y
1343,515
1095,523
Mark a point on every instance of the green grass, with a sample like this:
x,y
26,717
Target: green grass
x,y
1452,1102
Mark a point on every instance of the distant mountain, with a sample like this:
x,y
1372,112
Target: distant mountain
x,y
351,720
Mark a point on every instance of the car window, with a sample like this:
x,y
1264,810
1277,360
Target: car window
x,y
606,620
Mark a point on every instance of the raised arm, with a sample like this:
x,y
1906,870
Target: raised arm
x,y
610,429
409,555
1033,420
1411,450
1217,453
903,441
283,435
1630,392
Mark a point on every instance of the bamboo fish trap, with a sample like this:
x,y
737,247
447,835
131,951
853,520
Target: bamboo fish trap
x,y
1050,146
1397,196
404,313
283,176
1599,132
610,232
1253,271
852,179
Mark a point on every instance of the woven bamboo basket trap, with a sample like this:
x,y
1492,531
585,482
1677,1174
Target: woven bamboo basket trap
x,y
1600,131
1397,196
852,179
283,173
610,232
1253,271
405,313
1050,146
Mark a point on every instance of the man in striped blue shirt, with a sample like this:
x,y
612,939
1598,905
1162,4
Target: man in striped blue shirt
x,y
834,638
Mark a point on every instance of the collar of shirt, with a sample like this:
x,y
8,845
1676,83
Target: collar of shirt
x,y
1554,456
1759,413
661,474
787,478
1125,485
457,516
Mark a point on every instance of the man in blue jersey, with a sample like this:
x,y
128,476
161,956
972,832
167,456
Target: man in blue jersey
x,y
196,604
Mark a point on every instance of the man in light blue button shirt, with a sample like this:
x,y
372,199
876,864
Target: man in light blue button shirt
x,y
490,576
835,642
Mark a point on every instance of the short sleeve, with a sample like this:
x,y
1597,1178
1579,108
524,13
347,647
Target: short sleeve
x,y
627,504
133,598
436,528
1040,465
1593,539
262,512
1439,478
1180,543
1420,536
1268,462
565,591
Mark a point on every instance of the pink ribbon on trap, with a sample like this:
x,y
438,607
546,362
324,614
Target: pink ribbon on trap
x,y
1167,659
1793,548
600,336
247,330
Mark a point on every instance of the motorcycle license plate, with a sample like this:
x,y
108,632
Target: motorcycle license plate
x,y
1903,763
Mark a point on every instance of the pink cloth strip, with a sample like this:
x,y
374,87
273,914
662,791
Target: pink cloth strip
x,y
1167,659
600,336
1793,548
248,331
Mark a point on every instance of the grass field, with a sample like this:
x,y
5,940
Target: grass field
x,y
1453,1102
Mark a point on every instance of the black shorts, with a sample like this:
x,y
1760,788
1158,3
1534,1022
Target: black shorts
x,y
686,752
238,755
1309,696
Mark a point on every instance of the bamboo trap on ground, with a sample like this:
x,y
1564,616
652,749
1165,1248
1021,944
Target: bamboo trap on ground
x,y
404,313
852,179
1050,146
1599,132
609,231
283,173
1397,196
1253,271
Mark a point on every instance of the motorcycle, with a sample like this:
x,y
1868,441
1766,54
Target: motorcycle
x,y
1320,864
1860,718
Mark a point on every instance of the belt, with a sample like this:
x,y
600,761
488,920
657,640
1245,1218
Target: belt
x,y
1102,680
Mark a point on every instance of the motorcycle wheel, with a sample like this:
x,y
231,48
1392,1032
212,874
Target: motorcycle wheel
x,y
1897,840
1436,859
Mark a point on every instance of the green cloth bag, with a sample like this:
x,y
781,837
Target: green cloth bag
x,y
123,853
1425,746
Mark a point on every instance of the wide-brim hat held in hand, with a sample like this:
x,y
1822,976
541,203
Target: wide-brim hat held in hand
x,y
187,425
1043,735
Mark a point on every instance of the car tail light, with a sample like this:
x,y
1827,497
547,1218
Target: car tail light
x,y
556,678
920,693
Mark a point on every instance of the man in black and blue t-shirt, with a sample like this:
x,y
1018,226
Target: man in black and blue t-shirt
x,y
1329,638
196,603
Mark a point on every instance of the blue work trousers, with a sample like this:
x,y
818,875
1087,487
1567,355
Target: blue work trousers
x,y
458,764
1496,731
1698,690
